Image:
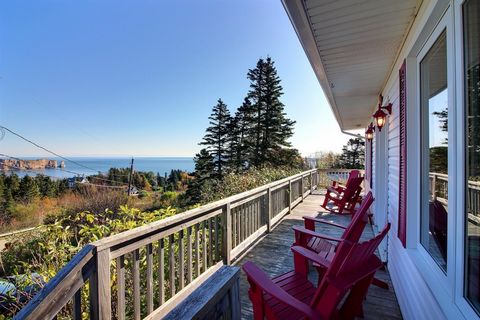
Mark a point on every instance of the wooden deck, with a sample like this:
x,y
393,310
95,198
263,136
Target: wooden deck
x,y
273,255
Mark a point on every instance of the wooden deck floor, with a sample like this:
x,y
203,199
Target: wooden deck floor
x,y
273,255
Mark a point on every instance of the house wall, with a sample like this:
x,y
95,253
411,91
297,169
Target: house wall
x,y
419,296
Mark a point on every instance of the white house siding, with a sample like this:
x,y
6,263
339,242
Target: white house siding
x,y
415,297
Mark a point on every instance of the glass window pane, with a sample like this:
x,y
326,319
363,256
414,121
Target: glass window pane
x,y
434,152
471,10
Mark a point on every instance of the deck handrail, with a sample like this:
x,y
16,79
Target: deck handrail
x,y
186,246
439,192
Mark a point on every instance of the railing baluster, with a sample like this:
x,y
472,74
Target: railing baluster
x,y
171,255
189,255
289,196
268,209
161,272
197,250
149,278
234,228
77,305
136,284
210,242
204,244
217,251
181,261
226,233
120,287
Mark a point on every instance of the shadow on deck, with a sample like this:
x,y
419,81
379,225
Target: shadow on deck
x,y
273,255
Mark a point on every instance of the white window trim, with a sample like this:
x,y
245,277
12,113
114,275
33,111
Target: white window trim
x,y
459,296
447,288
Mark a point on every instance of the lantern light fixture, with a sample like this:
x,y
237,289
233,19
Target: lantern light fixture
x,y
380,116
369,132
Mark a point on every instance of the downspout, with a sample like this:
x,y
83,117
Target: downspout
x,y
352,134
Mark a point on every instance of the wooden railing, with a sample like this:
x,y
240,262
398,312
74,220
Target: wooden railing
x,y
146,271
439,192
327,175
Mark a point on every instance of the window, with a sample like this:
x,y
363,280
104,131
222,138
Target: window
x,y
471,26
434,151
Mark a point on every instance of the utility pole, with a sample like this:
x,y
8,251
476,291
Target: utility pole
x,y
130,178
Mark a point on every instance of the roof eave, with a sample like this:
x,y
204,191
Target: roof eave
x,y
297,15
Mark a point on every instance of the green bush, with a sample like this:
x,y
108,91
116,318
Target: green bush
x,y
53,245
239,182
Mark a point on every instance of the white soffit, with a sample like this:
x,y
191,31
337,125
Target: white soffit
x,y
352,46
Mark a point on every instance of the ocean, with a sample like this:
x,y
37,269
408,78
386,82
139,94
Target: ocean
x,y
95,165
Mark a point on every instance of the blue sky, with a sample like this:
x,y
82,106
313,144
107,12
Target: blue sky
x,y
140,77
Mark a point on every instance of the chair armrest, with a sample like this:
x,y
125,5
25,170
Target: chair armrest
x,y
325,222
333,190
257,276
310,233
310,255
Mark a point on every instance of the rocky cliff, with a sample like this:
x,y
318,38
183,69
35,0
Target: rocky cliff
x,y
11,164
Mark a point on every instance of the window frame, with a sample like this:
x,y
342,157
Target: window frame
x,y
444,286
459,297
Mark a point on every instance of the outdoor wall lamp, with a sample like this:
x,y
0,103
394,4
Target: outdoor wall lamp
x,y
380,116
369,132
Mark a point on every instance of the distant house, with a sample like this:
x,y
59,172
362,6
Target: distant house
x,y
133,191
72,182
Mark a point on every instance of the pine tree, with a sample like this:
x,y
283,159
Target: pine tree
x,y
255,95
278,128
204,166
216,138
239,144
353,154
28,190
270,129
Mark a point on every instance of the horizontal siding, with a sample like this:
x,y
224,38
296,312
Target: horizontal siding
x,y
414,296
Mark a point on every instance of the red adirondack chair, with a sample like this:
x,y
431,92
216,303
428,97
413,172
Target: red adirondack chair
x,y
324,245
340,187
293,296
308,238
344,200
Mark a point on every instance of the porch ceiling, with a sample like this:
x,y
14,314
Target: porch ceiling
x,y
352,46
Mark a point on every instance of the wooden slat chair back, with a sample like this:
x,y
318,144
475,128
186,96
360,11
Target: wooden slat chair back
x,y
353,267
325,245
352,232
353,174
345,200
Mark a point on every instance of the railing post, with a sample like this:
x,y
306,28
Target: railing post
x,y
227,233
311,182
301,187
100,294
268,210
289,196
434,186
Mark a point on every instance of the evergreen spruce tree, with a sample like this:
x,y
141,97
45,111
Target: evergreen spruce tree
x,y
270,129
204,166
255,96
28,189
353,154
239,144
216,138
277,127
